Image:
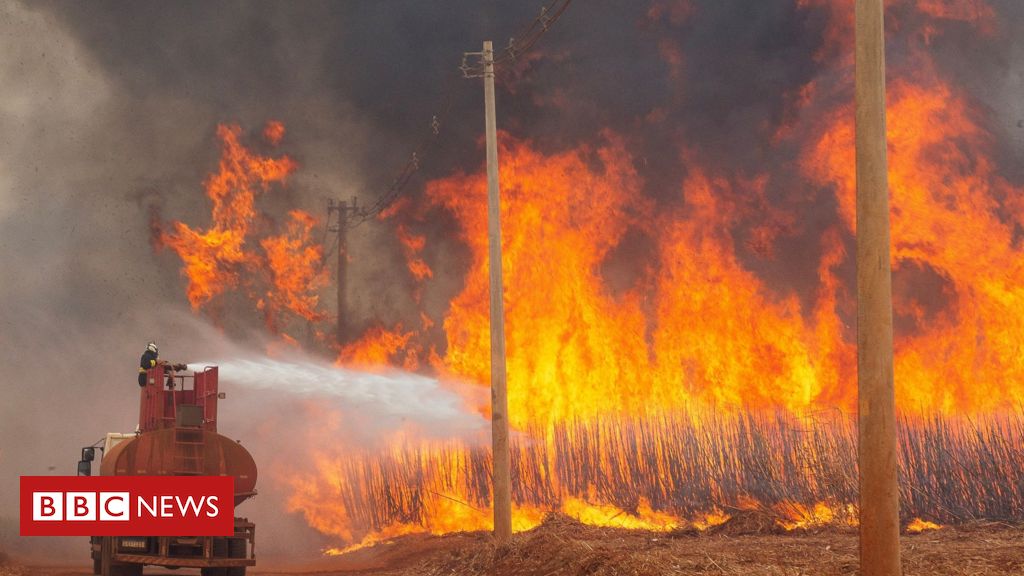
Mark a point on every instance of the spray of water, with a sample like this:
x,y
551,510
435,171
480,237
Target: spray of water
x,y
388,396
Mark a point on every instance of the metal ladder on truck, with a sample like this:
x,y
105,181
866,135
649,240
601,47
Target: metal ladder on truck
x,y
189,424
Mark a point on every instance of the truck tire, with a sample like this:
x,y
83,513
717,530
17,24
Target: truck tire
x,y
127,569
236,549
110,568
94,553
105,553
219,550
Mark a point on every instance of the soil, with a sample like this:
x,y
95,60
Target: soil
x,y
563,546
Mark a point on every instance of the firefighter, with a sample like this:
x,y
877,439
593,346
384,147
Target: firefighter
x,y
150,358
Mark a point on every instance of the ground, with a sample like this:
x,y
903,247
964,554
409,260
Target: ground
x,y
562,546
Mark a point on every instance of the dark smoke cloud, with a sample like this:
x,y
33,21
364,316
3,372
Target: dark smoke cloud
x,y
108,110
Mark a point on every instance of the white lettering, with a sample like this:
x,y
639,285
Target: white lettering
x,y
167,506
47,506
214,511
80,506
114,506
190,503
144,504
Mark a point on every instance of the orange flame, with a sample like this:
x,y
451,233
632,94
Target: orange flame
x,y
804,517
224,256
412,245
273,132
945,220
380,347
917,526
295,268
697,327
576,350
573,348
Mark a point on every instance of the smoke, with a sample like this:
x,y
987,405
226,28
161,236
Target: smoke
x,y
103,121
357,85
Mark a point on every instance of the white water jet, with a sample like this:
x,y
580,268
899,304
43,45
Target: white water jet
x,y
392,395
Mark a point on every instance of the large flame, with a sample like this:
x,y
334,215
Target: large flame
x,y
697,327
573,347
279,273
951,222
380,347
714,331
296,268
675,394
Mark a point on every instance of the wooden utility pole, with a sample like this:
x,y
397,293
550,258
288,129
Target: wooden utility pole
x,y
502,480
342,260
342,257
346,211
879,491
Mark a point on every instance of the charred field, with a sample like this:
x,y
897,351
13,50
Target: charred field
x,y
749,545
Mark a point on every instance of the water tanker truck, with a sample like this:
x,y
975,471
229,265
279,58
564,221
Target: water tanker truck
x,y
177,436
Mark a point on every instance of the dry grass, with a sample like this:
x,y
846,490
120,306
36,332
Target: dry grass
x,y
10,568
952,470
562,546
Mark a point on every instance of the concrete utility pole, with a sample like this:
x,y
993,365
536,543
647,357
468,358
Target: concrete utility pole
x,y
879,491
499,394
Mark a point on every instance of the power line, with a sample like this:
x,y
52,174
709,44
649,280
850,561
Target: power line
x,y
412,166
517,46
522,42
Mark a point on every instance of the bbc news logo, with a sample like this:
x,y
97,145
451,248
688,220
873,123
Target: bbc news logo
x,y
81,506
115,506
127,505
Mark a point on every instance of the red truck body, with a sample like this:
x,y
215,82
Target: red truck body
x,y
177,436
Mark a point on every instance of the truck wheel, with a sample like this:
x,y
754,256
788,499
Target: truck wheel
x,y
110,568
236,548
219,549
105,553
121,569
95,554
126,569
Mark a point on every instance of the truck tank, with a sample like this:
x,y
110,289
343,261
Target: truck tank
x,y
179,452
